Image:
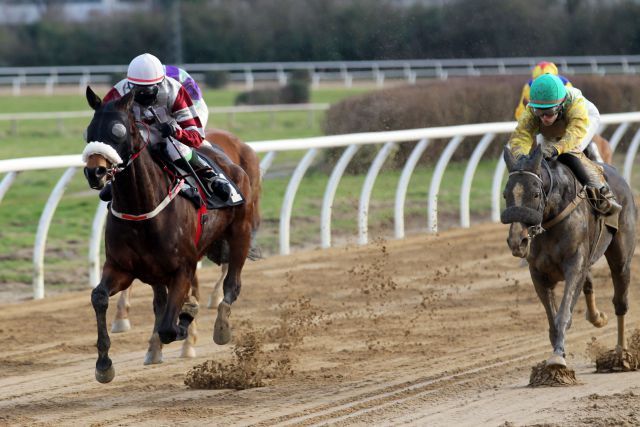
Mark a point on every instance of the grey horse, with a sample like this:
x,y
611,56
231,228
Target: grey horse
x,y
555,228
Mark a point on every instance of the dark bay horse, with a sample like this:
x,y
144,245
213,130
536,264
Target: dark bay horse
x,y
154,236
555,228
242,155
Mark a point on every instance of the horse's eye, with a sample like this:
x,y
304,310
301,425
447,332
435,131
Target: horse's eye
x,y
504,194
118,130
536,195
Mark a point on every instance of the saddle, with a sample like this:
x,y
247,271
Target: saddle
x,y
191,189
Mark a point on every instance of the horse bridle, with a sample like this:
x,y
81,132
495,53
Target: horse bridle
x,y
537,229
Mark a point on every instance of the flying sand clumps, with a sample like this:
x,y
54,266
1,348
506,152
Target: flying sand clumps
x,y
551,376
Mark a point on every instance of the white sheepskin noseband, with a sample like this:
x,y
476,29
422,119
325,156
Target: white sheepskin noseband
x,y
105,150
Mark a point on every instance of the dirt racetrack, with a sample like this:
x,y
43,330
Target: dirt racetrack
x,y
431,330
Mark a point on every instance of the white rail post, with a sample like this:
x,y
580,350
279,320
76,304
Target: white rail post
x,y
97,231
437,179
631,155
287,203
43,229
266,162
367,187
403,185
465,191
617,135
330,192
6,183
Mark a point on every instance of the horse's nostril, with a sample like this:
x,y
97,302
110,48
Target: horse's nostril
x,y
101,171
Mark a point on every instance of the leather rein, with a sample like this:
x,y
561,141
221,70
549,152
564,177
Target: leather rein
x,y
540,228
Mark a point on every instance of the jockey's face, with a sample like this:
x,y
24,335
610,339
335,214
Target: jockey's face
x,y
145,95
548,116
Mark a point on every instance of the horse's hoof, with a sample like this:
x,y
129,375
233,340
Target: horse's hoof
x,y
599,321
120,325
556,361
152,358
188,352
105,376
221,329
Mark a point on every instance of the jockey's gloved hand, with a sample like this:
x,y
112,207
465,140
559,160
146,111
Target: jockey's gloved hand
x,y
166,130
549,151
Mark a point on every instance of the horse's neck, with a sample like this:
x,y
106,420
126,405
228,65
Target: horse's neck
x,y
140,187
562,190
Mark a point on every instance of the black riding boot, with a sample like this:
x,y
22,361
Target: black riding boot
x,y
209,178
589,174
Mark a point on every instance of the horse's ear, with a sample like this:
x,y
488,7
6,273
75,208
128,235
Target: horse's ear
x,y
536,156
509,158
125,103
94,100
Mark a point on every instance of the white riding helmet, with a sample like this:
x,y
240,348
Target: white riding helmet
x,y
145,70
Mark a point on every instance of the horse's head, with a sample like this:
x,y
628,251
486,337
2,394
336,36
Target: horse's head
x,y
108,137
525,200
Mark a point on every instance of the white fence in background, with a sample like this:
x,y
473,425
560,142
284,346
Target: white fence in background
x,y
231,112
341,71
352,142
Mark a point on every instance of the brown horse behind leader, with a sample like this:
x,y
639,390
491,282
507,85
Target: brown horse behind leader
x,y
154,236
242,155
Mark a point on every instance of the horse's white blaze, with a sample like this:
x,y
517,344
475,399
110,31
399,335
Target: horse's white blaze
x,y
518,194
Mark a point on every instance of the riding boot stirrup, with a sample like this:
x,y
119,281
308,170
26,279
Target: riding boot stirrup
x,y
215,184
609,204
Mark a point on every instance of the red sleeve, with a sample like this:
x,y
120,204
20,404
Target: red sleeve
x,y
111,95
189,137
190,132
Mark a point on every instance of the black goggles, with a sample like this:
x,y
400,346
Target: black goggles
x,y
145,95
539,112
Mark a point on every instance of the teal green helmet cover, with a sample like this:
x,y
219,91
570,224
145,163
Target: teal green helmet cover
x,y
547,91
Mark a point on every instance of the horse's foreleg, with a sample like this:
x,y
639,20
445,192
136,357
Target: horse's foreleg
x,y
154,352
111,283
545,290
187,321
216,295
621,275
596,317
574,280
121,321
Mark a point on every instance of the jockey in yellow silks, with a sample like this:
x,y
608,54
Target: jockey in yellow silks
x,y
541,68
566,121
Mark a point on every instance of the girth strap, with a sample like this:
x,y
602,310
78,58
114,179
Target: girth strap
x,y
580,196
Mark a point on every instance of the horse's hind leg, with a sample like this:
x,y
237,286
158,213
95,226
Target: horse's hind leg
x,y
188,320
154,352
112,282
232,284
596,317
121,321
619,257
216,295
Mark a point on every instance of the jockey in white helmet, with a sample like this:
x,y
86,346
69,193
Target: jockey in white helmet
x,y
153,90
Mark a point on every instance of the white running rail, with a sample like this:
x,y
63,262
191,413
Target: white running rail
x,y
386,140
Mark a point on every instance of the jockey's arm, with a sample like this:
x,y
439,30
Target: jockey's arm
x,y
577,118
523,137
190,131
